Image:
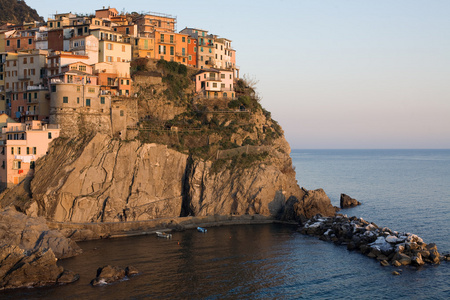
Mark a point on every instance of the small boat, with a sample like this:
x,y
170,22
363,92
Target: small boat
x,y
201,229
163,235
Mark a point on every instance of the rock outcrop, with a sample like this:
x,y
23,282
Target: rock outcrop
x,y
107,180
31,234
389,247
29,252
109,274
347,201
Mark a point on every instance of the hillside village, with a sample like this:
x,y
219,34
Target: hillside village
x,y
78,71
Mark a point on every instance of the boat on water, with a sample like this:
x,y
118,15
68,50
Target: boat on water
x,y
201,229
163,235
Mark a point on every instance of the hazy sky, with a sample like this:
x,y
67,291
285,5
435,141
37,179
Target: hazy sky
x,y
334,73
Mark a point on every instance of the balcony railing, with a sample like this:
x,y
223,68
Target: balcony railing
x,y
181,54
34,87
166,42
26,127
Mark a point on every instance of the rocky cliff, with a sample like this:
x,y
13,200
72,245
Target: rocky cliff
x,y
107,180
207,157
16,12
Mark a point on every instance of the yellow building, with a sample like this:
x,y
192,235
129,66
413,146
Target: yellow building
x,y
143,47
110,51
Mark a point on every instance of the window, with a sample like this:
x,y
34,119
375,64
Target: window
x,y
201,49
183,51
31,60
82,68
91,90
109,46
102,100
85,29
78,88
49,135
18,43
28,150
189,41
162,38
88,102
109,58
17,165
19,150
195,49
121,113
222,85
7,43
34,150
171,50
214,84
190,57
183,39
171,39
65,99
59,24
12,150
78,100
222,76
30,41
24,60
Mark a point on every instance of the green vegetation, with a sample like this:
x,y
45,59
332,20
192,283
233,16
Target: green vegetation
x,y
203,128
176,77
242,161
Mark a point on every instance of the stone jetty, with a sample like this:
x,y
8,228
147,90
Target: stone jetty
x,y
387,246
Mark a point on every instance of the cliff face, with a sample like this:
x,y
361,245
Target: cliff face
x,y
106,180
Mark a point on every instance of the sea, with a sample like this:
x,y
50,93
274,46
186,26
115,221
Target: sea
x,y
405,190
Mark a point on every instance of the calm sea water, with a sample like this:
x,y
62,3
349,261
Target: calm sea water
x,y
406,190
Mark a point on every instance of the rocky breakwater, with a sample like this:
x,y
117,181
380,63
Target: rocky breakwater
x,y
29,251
387,246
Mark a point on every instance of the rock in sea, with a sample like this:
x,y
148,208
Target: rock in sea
x,y
347,201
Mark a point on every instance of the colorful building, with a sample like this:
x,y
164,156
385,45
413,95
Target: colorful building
x,y
215,83
21,145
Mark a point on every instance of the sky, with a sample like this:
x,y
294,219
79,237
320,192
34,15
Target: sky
x,y
336,74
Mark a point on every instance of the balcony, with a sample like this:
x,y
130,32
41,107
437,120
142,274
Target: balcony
x,y
35,88
19,128
181,54
51,66
166,42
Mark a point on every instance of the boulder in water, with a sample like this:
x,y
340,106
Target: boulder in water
x,y
109,274
347,201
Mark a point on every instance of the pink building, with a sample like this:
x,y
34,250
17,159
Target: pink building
x,y
215,83
21,145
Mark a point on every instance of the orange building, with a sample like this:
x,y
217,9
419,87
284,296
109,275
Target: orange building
x,y
181,51
149,23
21,40
192,52
106,13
